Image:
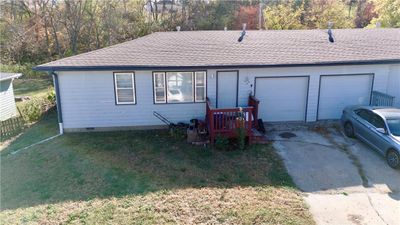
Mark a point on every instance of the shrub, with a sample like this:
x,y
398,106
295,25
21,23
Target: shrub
x,y
178,132
241,138
51,96
240,124
221,142
33,109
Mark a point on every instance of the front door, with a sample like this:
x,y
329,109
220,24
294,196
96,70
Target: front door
x,y
227,89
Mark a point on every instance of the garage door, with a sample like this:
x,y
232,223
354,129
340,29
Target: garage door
x,y
339,91
282,98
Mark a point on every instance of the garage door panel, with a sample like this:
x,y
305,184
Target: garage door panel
x,y
282,98
337,92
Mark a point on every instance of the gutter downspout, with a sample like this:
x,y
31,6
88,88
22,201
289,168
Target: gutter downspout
x,y
58,101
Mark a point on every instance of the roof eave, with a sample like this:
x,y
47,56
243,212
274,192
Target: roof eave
x,y
17,75
150,67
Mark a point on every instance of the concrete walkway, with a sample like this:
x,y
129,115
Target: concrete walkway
x,y
344,181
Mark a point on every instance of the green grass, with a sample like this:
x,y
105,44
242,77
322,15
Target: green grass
x,y
45,128
37,90
142,177
32,87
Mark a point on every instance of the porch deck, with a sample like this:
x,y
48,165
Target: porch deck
x,y
225,122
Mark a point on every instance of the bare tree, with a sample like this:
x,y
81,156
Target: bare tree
x,y
72,21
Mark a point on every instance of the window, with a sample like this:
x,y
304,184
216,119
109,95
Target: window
x,y
371,118
124,88
200,86
365,114
378,122
159,88
179,87
394,126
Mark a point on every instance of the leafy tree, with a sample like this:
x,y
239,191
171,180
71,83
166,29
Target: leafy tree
x,y
308,14
283,16
248,15
365,13
213,15
321,12
34,31
388,13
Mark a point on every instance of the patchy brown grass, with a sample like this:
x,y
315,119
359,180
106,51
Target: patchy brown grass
x,y
237,205
144,177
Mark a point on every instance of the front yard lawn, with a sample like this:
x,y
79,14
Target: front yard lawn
x,y
32,87
144,177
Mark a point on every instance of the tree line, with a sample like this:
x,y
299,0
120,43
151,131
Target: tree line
x,y
36,31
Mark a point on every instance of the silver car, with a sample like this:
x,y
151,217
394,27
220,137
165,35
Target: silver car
x,y
379,127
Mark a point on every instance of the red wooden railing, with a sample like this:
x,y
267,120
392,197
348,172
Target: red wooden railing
x,y
225,122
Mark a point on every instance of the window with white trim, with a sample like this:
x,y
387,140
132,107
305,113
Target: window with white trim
x,y
124,88
179,87
159,88
200,86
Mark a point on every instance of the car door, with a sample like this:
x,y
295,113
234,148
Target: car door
x,y
362,125
379,140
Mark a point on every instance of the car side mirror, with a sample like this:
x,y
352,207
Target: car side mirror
x,y
381,130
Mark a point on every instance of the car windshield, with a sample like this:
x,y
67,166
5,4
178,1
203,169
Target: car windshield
x,y
394,126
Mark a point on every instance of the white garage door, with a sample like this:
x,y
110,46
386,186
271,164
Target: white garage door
x,y
282,98
339,91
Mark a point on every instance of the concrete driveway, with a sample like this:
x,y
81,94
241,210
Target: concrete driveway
x,y
344,181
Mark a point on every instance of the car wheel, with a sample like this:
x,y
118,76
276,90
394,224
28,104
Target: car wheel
x,y
349,130
393,159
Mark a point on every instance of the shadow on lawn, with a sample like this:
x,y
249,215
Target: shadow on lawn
x,y
84,166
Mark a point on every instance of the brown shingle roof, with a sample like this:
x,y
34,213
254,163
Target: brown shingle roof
x,y
259,48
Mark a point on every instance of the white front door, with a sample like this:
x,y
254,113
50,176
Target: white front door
x,y
227,87
338,91
282,98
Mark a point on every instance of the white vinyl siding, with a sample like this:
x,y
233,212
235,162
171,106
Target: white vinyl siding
x,y
124,88
88,100
394,84
7,102
88,97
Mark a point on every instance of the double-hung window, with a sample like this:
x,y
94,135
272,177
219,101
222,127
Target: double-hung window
x,y
124,88
200,86
179,87
159,88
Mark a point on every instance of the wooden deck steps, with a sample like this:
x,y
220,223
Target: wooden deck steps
x,y
258,137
